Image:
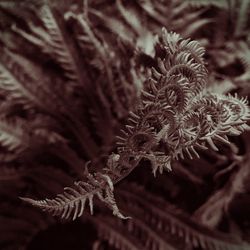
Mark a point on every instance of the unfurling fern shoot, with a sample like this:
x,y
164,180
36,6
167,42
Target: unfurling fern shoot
x,y
174,118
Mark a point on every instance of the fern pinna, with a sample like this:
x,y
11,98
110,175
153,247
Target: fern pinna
x,y
174,118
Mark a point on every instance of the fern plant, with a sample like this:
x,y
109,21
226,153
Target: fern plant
x,y
138,22
227,40
66,104
173,119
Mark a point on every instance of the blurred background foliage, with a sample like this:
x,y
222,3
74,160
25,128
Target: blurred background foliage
x,y
201,204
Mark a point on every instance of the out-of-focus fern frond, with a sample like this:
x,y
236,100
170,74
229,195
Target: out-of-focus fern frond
x,y
143,231
210,213
104,124
116,236
139,20
20,226
19,84
54,96
17,137
43,121
40,39
114,25
60,46
242,17
88,40
241,51
135,233
229,33
167,219
13,139
12,134
202,3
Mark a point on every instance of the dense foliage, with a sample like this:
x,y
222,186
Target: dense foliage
x,y
98,95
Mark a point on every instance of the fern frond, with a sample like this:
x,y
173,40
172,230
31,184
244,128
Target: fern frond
x,y
187,119
173,118
131,17
166,219
115,25
241,51
136,139
202,3
138,227
12,135
194,48
15,236
221,199
20,225
72,202
19,83
11,84
239,111
62,52
23,87
138,234
242,17
64,205
39,39
90,42
46,129
108,230
181,55
193,21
